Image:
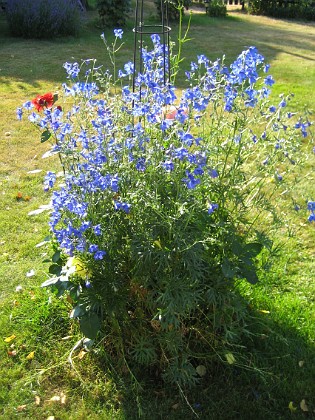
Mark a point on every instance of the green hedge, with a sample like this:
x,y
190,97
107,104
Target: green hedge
x,y
292,9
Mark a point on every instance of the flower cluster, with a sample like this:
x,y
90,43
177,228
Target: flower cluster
x,y
105,153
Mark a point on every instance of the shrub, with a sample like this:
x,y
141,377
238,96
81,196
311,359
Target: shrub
x,y
113,12
174,7
168,199
216,8
43,18
295,9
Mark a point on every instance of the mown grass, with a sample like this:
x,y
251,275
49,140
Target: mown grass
x,y
281,351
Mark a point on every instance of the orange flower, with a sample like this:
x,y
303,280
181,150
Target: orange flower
x,y
43,101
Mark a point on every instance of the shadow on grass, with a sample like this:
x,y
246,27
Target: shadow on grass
x,y
281,371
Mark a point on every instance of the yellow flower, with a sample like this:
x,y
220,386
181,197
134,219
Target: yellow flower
x,y
80,269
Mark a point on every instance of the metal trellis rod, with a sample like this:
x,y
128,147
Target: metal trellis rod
x,y
141,29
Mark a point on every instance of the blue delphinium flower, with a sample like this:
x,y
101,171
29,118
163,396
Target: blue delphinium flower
x,y
93,248
99,255
28,105
97,230
213,173
122,206
49,181
118,33
212,208
72,69
168,165
19,113
191,181
269,81
311,208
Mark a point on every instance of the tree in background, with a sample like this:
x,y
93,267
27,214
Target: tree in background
x,y
174,7
113,12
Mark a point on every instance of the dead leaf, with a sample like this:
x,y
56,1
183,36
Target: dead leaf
x,y
55,398
41,209
155,324
30,356
201,370
34,171
12,353
21,407
82,354
30,273
303,406
175,406
70,300
9,339
37,400
40,244
19,196
59,398
63,398
48,154
291,407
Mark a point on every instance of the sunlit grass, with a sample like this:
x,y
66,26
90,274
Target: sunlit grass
x,y
283,300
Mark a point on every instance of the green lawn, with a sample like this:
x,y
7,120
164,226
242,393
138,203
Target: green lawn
x,y
282,350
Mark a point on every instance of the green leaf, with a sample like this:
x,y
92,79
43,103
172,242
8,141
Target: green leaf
x,y
227,269
56,257
253,249
78,311
249,273
45,136
90,325
237,248
55,269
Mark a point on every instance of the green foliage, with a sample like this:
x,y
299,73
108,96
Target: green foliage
x,y
160,217
113,12
43,18
174,8
293,9
216,8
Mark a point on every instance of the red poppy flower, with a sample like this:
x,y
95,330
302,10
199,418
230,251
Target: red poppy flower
x,y
43,101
